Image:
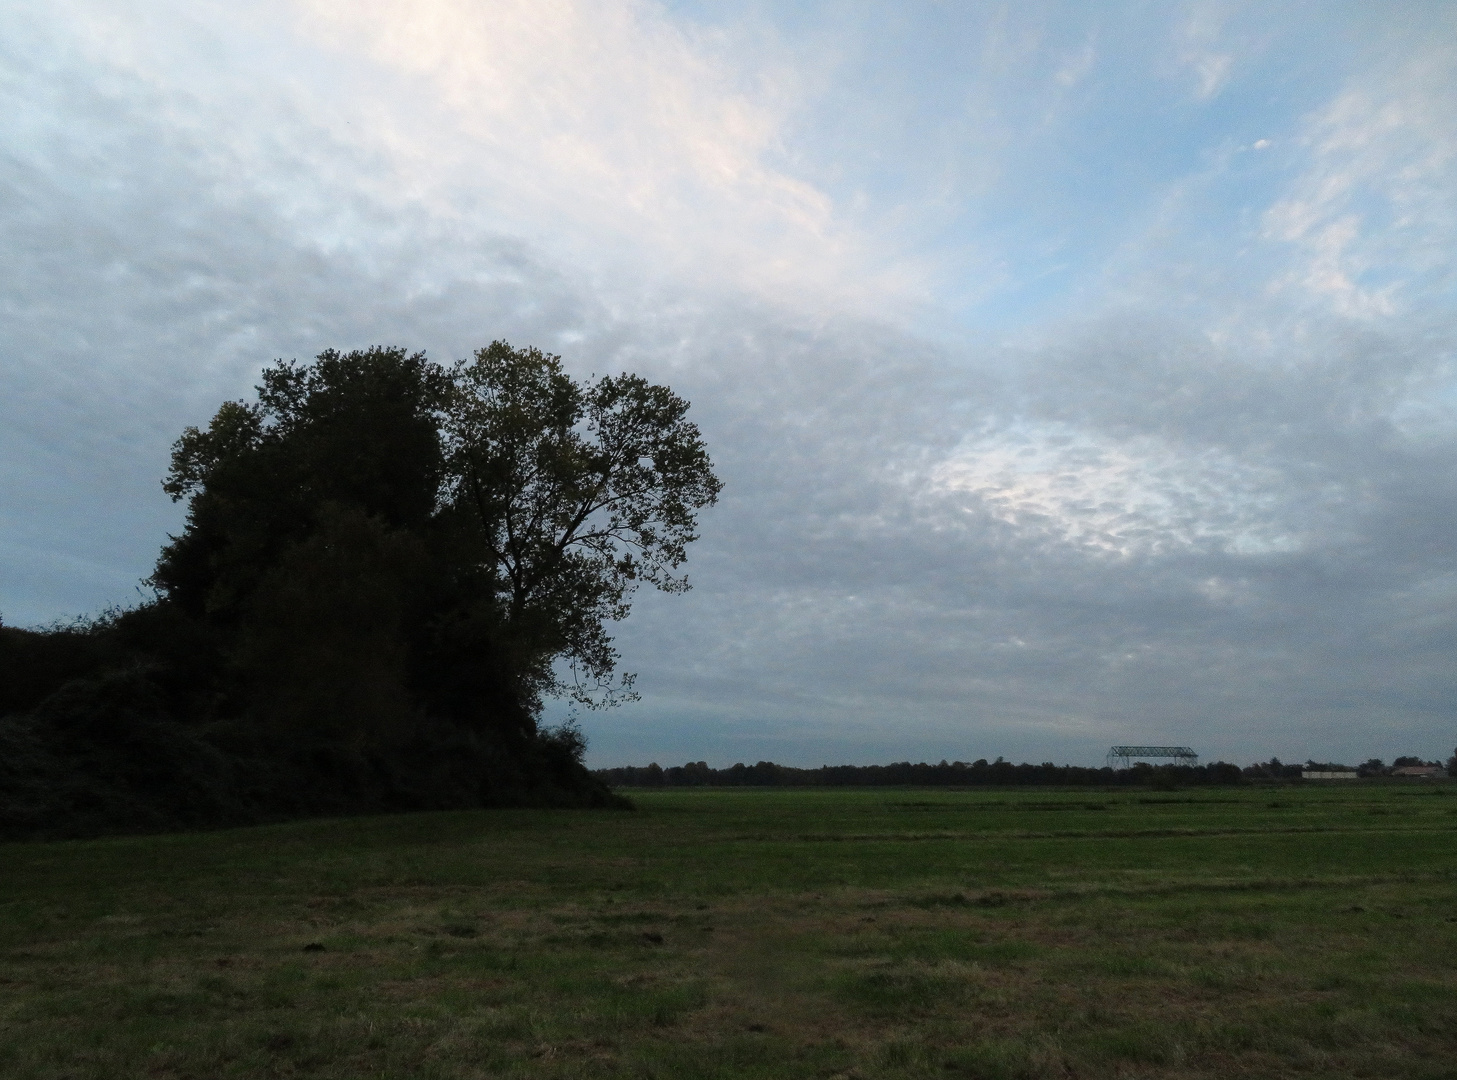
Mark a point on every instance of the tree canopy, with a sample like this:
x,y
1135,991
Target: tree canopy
x,y
575,492
503,499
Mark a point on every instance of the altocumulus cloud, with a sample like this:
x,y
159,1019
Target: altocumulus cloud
x,y
1017,462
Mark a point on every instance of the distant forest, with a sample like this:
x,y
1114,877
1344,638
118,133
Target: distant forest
x,y
946,774
980,773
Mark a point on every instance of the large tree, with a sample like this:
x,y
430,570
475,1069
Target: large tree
x,y
576,492
380,533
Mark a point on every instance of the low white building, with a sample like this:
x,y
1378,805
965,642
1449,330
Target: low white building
x,y
1418,770
1328,774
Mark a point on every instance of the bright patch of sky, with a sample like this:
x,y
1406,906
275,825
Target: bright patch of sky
x,y
1024,152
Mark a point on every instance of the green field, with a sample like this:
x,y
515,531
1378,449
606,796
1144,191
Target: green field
x,y
1254,931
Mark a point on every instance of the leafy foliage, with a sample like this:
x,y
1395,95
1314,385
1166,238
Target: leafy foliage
x,y
575,494
521,507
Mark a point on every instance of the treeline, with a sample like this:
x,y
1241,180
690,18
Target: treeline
x,y
997,773
385,564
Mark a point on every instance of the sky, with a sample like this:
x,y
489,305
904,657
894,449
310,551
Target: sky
x,y
1079,373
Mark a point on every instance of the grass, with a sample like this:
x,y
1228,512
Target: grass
x,y
1299,931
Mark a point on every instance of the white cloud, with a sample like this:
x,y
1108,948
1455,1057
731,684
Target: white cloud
x,y
1076,65
1136,495
609,123
1372,214
600,132
1202,50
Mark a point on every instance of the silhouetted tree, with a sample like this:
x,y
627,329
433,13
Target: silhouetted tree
x,y
575,493
385,563
379,523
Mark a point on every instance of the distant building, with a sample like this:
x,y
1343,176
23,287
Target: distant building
x,y
1418,770
1328,774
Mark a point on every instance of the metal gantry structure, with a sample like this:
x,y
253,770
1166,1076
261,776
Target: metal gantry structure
x,y
1122,757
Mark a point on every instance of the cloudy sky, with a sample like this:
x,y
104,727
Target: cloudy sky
x,y
1079,373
